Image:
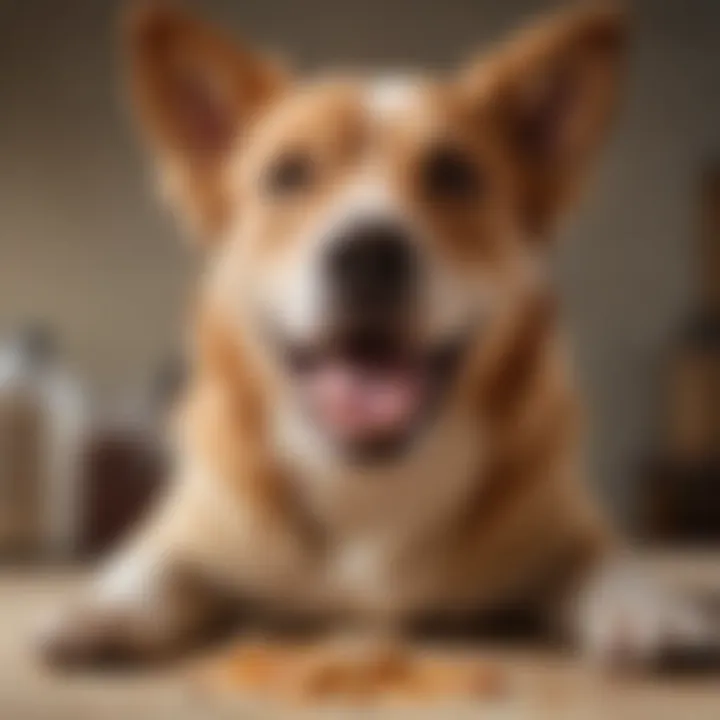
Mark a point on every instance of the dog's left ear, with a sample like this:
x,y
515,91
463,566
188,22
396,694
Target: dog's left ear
x,y
549,95
195,92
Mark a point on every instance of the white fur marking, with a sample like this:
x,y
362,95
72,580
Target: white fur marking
x,y
129,579
392,95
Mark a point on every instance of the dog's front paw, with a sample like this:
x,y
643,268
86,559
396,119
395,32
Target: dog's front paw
x,y
93,636
626,622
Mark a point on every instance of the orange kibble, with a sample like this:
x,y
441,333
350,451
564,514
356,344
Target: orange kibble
x,y
365,674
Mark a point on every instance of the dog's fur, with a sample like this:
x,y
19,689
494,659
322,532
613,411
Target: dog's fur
x,y
488,505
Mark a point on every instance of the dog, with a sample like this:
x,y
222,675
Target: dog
x,y
382,425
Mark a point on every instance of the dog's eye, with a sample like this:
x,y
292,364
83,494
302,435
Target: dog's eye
x,y
288,174
447,173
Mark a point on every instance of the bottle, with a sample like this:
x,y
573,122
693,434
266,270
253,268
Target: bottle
x,y
41,429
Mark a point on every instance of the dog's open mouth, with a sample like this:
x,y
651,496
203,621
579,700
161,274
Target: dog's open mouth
x,y
370,391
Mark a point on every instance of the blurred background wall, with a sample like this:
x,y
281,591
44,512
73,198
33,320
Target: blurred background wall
x,y
85,248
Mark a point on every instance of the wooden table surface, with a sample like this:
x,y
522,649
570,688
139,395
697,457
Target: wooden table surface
x,y
543,685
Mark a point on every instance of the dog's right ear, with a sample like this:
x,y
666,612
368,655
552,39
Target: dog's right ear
x,y
194,92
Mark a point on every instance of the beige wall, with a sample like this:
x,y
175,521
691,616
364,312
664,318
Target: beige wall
x,y
83,245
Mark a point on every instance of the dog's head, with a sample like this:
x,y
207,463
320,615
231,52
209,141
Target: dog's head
x,y
369,231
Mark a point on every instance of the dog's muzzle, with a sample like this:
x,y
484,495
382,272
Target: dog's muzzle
x,y
371,271
368,379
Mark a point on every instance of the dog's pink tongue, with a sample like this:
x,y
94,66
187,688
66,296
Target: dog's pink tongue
x,y
359,402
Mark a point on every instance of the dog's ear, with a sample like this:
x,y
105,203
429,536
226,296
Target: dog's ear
x,y
194,92
549,94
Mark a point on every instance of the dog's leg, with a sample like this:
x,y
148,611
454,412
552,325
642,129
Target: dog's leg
x,y
147,603
615,609
623,617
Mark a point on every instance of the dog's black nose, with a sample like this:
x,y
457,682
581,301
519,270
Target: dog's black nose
x,y
371,267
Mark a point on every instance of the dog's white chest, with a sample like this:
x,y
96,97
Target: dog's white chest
x,y
359,577
377,521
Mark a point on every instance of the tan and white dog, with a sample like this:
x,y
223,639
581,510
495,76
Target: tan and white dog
x,y
382,425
